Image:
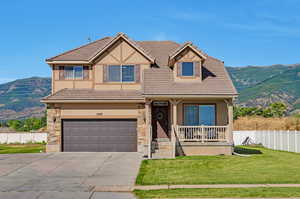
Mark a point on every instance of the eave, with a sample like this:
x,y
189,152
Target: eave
x,y
64,101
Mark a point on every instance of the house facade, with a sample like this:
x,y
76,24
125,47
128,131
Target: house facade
x,y
158,98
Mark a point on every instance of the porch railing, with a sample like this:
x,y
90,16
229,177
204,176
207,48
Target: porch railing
x,y
202,133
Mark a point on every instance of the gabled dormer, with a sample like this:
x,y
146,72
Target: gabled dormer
x,y
187,62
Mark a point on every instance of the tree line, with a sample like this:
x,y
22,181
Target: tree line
x,y
277,109
29,124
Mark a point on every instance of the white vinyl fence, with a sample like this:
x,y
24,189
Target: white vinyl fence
x,y
277,140
8,138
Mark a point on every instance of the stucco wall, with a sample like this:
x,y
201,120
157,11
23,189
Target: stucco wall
x,y
190,149
188,56
120,53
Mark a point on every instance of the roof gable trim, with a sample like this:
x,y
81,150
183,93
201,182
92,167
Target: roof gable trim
x,y
129,41
185,46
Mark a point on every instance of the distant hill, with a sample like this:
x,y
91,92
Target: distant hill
x,y
257,85
21,98
260,86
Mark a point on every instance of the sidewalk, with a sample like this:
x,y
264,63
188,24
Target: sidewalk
x,y
155,187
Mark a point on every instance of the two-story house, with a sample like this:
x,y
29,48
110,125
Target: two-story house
x,y
158,98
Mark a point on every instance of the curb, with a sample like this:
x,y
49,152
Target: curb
x,y
119,188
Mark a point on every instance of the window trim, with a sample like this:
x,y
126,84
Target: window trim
x,y
121,73
198,104
181,72
73,72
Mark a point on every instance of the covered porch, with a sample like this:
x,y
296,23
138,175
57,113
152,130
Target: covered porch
x,y
191,126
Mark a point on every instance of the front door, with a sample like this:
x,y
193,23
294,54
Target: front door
x,y
160,120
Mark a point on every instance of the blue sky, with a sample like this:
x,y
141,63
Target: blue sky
x,y
239,32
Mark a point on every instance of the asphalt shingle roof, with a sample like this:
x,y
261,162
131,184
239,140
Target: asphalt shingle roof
x,y
157,80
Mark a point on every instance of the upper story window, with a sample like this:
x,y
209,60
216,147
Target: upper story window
x,y
121,73
73,72
187,69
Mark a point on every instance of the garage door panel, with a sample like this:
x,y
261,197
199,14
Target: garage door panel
x,y
81,139
117,139
81,147
107,135
117,147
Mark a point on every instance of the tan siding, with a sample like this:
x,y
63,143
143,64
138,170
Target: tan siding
x,y
188,56
83,84
96,110
61,84
122,51
116,86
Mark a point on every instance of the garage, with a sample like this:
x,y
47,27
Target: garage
x,y
99,135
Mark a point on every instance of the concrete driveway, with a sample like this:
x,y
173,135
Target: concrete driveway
x,y
66,175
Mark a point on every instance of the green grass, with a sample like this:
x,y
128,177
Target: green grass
x,y
263,166
21,148
221,193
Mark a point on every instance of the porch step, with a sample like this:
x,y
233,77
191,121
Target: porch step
x,y
162,149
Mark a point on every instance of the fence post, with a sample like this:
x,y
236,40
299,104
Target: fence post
x,y
269,139
274,140
288,140
281,140
296,148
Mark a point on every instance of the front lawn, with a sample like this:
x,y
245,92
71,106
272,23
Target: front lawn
x,y
21,148
264,166
283,192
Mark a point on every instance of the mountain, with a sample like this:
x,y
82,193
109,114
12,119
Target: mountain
x,y
260,86
21,98
257,85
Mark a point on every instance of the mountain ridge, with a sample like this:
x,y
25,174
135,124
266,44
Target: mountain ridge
x,y
257,86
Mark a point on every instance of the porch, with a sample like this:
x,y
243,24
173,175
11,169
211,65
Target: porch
x,y
171,133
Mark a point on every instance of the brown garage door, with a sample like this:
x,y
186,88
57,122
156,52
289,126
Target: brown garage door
x,y
105,135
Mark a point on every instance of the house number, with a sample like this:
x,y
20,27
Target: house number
x,y
160,103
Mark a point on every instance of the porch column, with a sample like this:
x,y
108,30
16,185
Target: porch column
x,y
148,124
148,112
230,119
174,103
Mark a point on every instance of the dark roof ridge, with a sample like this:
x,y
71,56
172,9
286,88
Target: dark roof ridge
x,y
108,37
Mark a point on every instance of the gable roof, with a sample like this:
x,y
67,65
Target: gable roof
x,y
89,52
160,80
183,47
160,50
82,53
216,81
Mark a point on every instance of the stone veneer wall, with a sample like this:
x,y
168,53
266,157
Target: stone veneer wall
x,y
142,141
54,129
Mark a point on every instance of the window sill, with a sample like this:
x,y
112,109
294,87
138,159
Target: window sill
x,y
73,80
188,77
119,83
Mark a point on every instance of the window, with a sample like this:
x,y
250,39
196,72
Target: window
x,y
195,115
187,69
73,72
123,73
